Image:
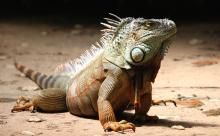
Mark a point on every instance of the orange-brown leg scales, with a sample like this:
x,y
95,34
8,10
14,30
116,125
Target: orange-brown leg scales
x,y
141,113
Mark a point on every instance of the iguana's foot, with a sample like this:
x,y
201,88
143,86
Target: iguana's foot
x,y
23,104
145,118
118,126
157,102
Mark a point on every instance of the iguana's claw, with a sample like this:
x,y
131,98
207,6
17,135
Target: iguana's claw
x,y
157,102
118,126
22,104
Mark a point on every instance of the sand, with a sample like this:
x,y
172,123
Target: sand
x,y
184,72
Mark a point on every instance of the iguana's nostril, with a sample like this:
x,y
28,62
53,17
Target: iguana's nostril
x,y
170,23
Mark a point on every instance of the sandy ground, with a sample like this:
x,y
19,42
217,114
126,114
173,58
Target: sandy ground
x,y
43,47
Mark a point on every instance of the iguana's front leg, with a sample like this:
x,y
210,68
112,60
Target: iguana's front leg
x,y
144,106
143,98
107,92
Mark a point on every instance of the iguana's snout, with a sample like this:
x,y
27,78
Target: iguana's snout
x,y
158,30
170,23
170,26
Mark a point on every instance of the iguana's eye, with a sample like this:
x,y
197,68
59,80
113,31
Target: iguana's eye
x,y
137,54
149,24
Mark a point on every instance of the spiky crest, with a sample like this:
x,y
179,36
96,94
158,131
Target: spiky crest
x,y
76,65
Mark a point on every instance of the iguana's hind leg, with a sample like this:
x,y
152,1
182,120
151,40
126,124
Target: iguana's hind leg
x,y
48,100
157,102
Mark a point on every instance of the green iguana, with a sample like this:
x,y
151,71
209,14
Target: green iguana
x,y
115,72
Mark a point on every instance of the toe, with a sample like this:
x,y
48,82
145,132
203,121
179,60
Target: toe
x,y
119,126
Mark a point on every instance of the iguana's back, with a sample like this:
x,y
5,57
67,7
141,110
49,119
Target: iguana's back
x,y
82,93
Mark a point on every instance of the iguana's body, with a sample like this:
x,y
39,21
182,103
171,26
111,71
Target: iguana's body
x,y
110,80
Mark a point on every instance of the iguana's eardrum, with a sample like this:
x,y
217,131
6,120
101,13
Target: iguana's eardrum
x,y
116,71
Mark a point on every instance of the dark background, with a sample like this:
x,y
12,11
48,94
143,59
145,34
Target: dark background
x,y
92,11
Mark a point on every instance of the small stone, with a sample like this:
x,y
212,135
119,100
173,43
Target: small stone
x,y
75,32
195,41
194,95
177,59
201,109
123,122
212,112
35,119
207,97
59,53
3,57
24,44
44,33
78,26
27,88
214,100
9,66
179,95
2,122
204,63
169,117
179,127
20,75
29,133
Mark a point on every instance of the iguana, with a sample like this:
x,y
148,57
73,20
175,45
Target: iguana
x,y
116,71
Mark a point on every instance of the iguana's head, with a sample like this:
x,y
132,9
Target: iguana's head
x,y
132,42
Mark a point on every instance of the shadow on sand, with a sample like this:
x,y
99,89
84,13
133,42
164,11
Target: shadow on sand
x,y
186,124
165,122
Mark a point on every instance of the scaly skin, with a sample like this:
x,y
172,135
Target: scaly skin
x,y
120,73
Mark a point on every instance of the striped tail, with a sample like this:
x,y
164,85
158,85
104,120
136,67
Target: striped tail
x,y
42,80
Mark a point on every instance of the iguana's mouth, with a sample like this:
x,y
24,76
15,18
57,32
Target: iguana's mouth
x,y
166,34
169,40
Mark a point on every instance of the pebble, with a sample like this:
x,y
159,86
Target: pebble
x,y
44,33
3,57
179,127
75,32
20,75
9,66
169,117
35,119
2,122
195,41
24,44
29,133
204,63
214,100
78,26
177,59
27,88
194,95
212,112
